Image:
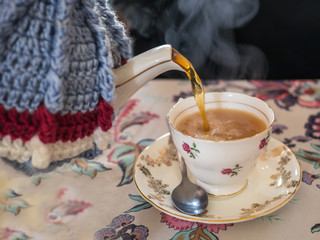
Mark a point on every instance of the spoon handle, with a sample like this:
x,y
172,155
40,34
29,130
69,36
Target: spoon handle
x,y
183,167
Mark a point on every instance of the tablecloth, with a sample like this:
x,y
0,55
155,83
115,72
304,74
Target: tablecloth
x,y
98,199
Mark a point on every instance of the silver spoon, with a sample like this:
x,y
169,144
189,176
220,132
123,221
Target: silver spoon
x,y
188,197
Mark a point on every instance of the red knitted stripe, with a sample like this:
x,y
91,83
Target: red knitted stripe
x,y
17,125
68,127
123,61
53,127
105,113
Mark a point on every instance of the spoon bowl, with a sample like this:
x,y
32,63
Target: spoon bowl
x,y
188,197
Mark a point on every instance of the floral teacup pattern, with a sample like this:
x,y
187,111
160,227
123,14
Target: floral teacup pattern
x,y
232,171
192,151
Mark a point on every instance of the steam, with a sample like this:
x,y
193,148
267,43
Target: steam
x,y
202,31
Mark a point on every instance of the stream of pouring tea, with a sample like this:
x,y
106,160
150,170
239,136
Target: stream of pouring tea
x,y
197,88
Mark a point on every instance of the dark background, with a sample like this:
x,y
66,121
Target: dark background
x,y
287,33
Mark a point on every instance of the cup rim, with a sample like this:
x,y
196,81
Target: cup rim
x,y
270,125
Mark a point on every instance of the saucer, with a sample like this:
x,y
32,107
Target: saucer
x,y
273,182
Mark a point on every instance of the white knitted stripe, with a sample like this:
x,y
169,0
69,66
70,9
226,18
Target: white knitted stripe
x,y
15,150
43,154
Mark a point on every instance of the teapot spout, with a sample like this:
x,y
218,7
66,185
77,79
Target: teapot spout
x,y
130,77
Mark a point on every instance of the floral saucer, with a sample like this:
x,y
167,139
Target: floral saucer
x,y
274,181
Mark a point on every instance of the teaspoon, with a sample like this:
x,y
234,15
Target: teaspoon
x,y
188,197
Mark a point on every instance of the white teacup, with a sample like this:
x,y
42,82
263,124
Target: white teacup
x,y
222,167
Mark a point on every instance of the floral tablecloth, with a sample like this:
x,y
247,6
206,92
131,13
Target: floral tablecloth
x,y
98,199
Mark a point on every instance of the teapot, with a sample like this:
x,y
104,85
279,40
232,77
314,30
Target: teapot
x,y
34,155
65,67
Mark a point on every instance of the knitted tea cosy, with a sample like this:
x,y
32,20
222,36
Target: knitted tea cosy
x,y
56,81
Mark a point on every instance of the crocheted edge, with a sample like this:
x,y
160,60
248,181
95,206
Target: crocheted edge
x,y
15,149
42,155
29,169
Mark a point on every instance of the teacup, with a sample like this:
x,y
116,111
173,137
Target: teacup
x,y
222,167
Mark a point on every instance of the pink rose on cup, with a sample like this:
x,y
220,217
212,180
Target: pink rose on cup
x,y
186,147
262,143
232,171
227,171
191,150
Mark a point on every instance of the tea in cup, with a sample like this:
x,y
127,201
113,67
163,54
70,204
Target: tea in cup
x,y
222,158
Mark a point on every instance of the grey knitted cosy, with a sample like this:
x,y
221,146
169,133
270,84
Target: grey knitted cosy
x,y
59,52
56,60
